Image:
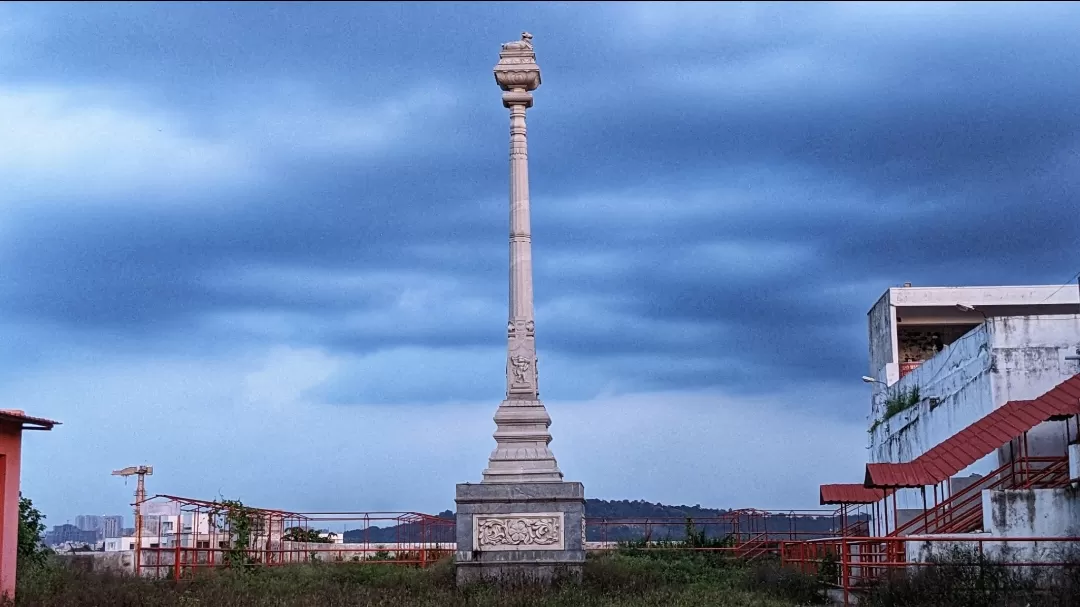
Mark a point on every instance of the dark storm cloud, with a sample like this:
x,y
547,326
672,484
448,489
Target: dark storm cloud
x,y
936,148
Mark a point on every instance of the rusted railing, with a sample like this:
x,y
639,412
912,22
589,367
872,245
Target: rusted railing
x,y
856,564
962,511
188,534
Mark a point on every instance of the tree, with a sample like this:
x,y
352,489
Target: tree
x,y
301,534
31,528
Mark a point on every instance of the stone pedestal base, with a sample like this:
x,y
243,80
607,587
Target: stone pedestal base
x,y
520,532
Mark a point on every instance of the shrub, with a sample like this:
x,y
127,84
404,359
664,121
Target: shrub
x,y
768,577
966,578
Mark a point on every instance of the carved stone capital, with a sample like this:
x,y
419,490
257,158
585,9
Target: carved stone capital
x,y
526,531
517,69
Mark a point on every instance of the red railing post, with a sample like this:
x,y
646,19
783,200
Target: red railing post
x,y
423,542
844,564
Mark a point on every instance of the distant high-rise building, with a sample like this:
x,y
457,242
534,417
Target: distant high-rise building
x,y
69,533
113,526
89,522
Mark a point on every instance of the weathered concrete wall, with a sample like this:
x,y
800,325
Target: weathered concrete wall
x,y
1006,358
882,348
955,388
1032,513
1028,359
958,378
119,561
1074,462
1033,299
298,552
1049,551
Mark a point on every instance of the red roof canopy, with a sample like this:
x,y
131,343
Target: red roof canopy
x,y
850,493
15,416
978,440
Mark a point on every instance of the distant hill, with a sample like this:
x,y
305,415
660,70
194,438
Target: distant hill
x,y
620,520
640,509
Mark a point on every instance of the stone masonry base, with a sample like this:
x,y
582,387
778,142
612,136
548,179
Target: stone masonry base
x,y
520,532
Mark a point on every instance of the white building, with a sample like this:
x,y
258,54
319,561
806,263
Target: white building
x,y
166,531
943,359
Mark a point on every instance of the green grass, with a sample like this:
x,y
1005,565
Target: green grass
x,y
624,578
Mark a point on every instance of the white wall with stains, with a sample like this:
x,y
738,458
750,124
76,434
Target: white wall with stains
x,y
1032,513
1004,359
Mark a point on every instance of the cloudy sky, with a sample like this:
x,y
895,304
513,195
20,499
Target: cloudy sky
x,y
262,247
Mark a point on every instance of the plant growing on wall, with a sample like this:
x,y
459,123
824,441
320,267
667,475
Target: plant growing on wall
x,y
901,401
897,401
239,520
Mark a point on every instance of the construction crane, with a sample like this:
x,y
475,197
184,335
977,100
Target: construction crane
x,y
140,494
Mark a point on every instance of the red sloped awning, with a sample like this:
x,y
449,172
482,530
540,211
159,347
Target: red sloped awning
x,y
850,493
896,476
15,416
978,440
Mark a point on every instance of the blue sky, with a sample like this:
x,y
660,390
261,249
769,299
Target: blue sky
x,y
263,246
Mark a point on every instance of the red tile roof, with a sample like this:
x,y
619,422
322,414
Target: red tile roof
x,y
978,440
15,416
850,493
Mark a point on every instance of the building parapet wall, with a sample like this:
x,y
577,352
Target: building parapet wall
x,y
881,320
954,391
1005,359
1008,358
1032,512
1029,358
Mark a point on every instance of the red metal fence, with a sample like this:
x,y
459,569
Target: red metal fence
x,y
855,564
182,535
746,533
962,512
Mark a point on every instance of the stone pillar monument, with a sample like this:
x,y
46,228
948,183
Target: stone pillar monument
x,y
522,521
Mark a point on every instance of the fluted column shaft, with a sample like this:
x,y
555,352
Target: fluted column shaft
x,y
521,376
521,454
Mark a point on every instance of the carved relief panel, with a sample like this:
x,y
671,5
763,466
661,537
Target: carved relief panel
x,y
521,357
541,531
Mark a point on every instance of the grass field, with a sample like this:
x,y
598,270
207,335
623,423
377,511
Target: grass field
x,y
623,579
629,577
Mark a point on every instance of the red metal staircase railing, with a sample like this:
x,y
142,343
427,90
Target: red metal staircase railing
x,y
758,545
962,511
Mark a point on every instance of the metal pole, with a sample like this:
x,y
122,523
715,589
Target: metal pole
x,y
176,555
924,508
1027,462
895,513
844,568
138,532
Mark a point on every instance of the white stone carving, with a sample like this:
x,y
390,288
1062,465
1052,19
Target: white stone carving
x,y
521,367
541,531
583,532
517,71
521,454
524,44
